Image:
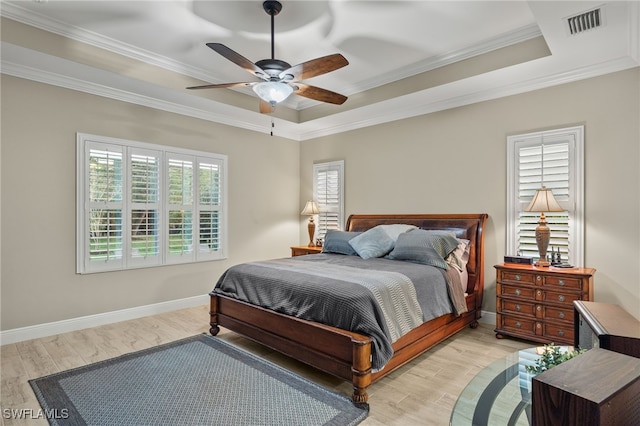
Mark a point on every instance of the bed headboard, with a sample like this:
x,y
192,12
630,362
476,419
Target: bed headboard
x,y
467,226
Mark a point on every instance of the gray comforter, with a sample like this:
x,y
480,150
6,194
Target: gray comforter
x,y
379,298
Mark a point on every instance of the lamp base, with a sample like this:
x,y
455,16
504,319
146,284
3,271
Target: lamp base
x,y
542,264
311,226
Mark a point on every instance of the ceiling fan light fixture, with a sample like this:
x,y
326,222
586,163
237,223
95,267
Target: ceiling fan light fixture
x,y
273,92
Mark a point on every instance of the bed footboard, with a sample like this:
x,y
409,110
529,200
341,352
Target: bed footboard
x,y
335,351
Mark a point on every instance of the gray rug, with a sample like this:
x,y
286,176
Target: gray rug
x,y
201,380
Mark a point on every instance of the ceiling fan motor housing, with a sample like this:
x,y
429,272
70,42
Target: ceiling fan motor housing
x,y
273,67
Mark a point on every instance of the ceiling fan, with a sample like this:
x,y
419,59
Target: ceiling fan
x,y
279,79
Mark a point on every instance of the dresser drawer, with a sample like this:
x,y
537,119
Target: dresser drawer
x,y
519,325
558,314
560,297
558,333
520,277
555,281
518,307
524,293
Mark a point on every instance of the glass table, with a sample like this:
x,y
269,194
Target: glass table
x,y
500,394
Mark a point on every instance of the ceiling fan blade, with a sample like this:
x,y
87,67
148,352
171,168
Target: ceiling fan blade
x,y
314,67
319,94
266,107
239,60
221,85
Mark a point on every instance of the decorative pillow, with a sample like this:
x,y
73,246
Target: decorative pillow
x,y
372,243
338,242
425,247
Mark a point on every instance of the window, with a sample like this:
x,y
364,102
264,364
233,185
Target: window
x,y
142,205
554,159
328,192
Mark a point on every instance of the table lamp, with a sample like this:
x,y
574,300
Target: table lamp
x,y
311,209
543,201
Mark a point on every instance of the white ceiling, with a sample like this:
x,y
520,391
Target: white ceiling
x,y
405,57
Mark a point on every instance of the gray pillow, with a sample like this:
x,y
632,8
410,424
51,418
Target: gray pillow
x,y
425,247
338,242
372,243
396,229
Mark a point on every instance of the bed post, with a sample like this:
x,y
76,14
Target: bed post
x,y
479,290
361,370
213,315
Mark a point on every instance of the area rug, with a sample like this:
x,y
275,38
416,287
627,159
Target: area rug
x,y
201,380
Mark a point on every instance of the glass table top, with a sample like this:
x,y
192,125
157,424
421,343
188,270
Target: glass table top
x,y
500,394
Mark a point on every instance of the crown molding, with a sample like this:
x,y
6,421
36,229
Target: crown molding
x,y
25,63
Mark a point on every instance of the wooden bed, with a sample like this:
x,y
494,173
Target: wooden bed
x,y
345,354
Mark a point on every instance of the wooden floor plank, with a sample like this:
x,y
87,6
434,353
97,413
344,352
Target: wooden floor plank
x,y
422,392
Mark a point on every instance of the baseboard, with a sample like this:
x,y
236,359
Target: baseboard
x,y
73,324
488,318
52,328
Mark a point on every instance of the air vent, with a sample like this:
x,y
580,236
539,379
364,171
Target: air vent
x,y
585,21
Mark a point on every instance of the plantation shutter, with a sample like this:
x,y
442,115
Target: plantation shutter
x,y
549,159
104,181
328,190
180,186
210,180
144,207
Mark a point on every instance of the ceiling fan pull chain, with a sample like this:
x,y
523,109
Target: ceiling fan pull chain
x,y
272,126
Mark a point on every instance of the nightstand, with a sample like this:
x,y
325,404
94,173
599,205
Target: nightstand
x,y
302,250
535,303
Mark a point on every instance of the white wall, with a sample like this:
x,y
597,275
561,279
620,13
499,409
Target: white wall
x,y
455,162
39,125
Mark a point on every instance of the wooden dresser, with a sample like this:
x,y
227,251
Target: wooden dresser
x,y
535,303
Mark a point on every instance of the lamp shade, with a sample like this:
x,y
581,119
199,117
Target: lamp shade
x,y
310,209
273,92
544,201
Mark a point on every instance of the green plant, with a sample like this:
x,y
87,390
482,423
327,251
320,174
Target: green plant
x,y
552,355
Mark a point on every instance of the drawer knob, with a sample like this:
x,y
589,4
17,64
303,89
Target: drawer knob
x,y
560,282
518,277
539,292
518,292
538,325
518,324
561,297
518,308
538,278
560,332
538,308
561,314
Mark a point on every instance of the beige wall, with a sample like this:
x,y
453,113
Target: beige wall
x,y
411,166
39,125
455,161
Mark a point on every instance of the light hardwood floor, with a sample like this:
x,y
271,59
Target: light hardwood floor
x,y
421,393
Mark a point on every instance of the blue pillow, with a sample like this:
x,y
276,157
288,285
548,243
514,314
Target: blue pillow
x,y
372,243
425,247
338,242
